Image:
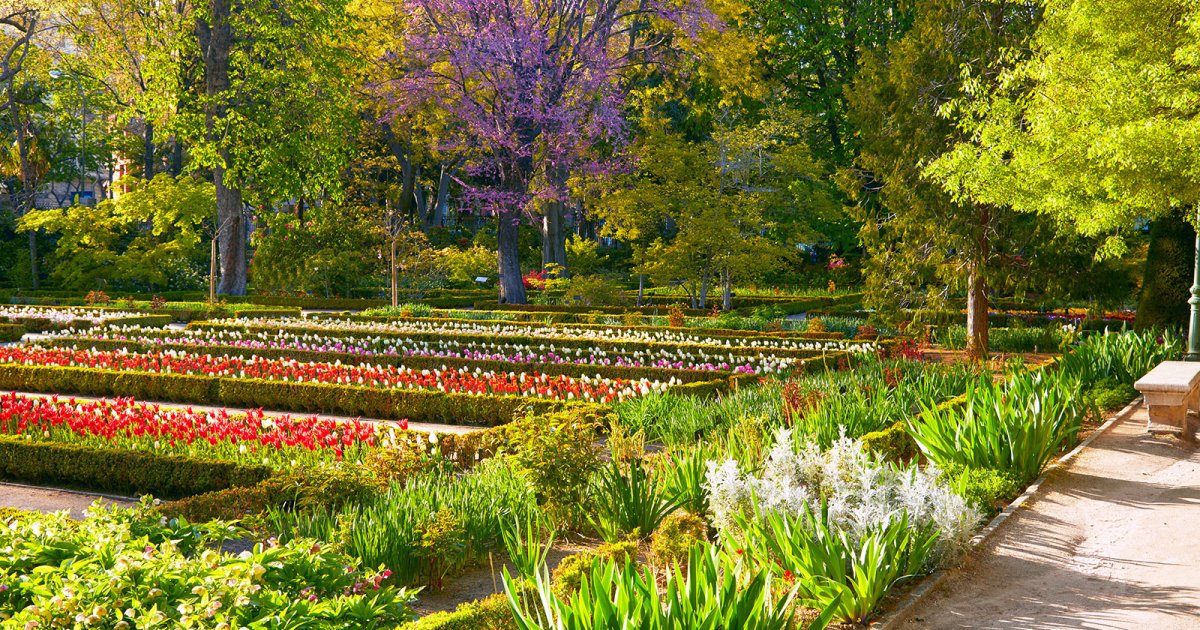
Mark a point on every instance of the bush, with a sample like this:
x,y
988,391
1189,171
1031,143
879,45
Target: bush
x,y
125,568
11,332
986,489
675,536
557,454
489,613
568,575
1110,394
119,471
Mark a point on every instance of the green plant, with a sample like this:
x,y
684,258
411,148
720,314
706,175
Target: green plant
x,y
556,452
528,541
984,488
1125,357
126,568
675,316
675,536
1015,427
442,542
568,575
684,473
629,503
709,596
833,569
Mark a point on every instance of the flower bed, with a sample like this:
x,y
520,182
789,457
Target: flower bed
x,y
38,319
245,438
461,381
600,338
682,364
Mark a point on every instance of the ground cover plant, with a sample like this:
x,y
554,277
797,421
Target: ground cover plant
x,y
126,568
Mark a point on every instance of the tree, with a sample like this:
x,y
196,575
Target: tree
x,y
532,91
152,237
275,112
916,234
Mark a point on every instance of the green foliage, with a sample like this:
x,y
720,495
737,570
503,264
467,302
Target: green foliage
x,y
11,332
683,472
1047,339
119,471
1124,357
123,569
675,537
1110,394
707,597
1015,427
831,568
329,251
628,501
489,613
593,290
984,488
424,529
151,237
301,488
555,450
568,575
528,541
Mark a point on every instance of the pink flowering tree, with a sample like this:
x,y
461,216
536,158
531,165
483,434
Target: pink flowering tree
x,y
530,92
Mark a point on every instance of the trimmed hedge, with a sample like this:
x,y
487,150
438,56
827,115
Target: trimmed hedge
x,y
119,471
255,312
660,309
148,321
347,400
11,332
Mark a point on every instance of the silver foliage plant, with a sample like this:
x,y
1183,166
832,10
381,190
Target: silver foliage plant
x,y
862,493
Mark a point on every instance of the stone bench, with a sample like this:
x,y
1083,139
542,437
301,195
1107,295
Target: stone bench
x,y
1172,389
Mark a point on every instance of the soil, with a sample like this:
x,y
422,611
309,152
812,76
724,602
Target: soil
x,y
480,582
1109,543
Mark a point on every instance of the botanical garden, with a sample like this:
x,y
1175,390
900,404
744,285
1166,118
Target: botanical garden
x,y
599,314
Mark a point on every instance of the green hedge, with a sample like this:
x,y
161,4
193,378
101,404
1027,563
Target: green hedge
x,y
119,471
659,309
255,312
416,363
11,332
347,400
148,321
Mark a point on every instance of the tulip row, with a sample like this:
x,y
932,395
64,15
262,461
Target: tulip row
x,y
280,339
461,381
61,316
246,438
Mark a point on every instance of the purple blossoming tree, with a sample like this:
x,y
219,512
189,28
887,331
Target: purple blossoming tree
x,y
529,89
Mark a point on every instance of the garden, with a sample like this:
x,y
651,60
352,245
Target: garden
x,y
675,476
595,314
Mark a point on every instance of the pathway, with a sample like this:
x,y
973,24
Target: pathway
x,y
37,499
1111,542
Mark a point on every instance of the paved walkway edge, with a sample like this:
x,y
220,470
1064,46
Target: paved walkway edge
x,y
82,493
901,613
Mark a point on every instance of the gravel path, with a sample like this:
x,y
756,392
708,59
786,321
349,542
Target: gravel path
x,y
1109,543
48,500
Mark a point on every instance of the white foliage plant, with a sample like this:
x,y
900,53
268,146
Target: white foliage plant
x,y
862,493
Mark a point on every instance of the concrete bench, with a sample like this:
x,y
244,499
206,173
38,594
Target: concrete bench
x,y
1172,389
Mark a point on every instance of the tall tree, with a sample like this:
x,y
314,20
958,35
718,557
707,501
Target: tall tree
x,y
916,234
532,89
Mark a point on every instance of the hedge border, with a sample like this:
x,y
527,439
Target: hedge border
x,y
119,471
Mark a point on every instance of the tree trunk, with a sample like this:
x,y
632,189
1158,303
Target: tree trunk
x,y
442,205
726,290
216,39
512,287
1167,274
231,236
641,289
704,288
148,152
27,176
554,238
977,299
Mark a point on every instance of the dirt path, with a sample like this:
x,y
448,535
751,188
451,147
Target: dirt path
x,y
1110,543
48,500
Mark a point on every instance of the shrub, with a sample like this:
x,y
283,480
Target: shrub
x,y
11,332
1110,393
675,536
557,454
568,575
983,488
125,568
489,613
675,316
328,487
